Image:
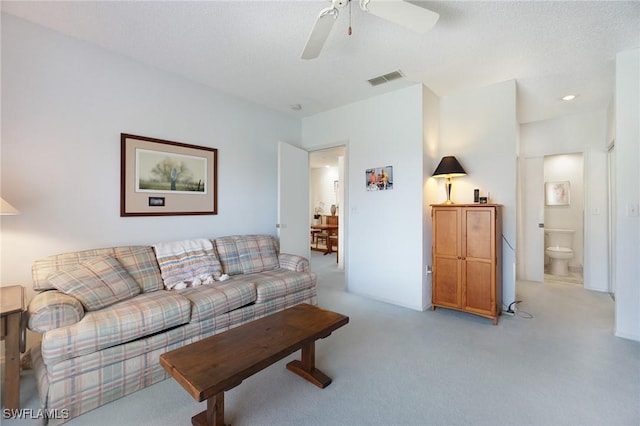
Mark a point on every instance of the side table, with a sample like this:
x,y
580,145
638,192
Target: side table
x,y
12,331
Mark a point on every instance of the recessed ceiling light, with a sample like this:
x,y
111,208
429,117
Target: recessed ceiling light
x,y
296,107
569,97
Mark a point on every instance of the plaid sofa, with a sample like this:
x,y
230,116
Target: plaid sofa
x,y
99,345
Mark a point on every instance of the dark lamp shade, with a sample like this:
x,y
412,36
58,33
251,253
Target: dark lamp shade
x,y
449,167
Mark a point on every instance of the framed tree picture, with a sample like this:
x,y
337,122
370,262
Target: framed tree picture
x,y
164,178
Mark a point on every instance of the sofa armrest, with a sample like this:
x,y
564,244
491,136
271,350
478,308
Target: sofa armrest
x,y
293,262
53,309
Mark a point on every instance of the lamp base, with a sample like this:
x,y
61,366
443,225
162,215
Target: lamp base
x,y
447,187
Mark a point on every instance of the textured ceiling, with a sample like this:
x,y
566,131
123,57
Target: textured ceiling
x,y
252,49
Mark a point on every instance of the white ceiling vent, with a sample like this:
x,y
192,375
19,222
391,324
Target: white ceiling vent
x,y
376,81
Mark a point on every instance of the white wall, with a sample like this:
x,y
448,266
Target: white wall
x,y
584,133
322,189
384,231
479,128
430,159
627,171
64,105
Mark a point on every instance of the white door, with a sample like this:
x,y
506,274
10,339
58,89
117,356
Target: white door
x,y
293,200
533,220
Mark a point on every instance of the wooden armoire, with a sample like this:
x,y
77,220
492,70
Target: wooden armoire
x,y
467,258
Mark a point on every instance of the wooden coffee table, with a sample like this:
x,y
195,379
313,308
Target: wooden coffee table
x,y
209,367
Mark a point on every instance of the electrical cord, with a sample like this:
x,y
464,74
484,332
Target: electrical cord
x,y
512,310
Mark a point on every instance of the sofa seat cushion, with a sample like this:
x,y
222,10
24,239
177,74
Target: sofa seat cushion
x,y
211,300
280,282
97,282
121,322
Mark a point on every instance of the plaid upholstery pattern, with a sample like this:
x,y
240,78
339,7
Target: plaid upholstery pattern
x,y
83,383
183,261
293,262
139,261
53,309
229,254
131,319
257,253
209,301
86,360
97,282
281,282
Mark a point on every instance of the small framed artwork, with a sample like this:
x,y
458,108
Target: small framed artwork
x,y
557,193
379,178
164,178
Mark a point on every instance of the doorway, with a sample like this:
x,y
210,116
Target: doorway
x,y
327,188
539,173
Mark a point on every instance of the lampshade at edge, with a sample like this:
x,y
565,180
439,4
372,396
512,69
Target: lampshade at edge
x,y
7,209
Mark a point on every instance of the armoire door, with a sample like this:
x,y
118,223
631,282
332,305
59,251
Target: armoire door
x,y
446,258
478,255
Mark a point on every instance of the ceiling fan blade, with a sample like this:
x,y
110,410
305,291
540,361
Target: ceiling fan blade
x,y
400,12
320,33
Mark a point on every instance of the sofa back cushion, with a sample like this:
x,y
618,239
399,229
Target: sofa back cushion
x,y
139,261
97,282
245,254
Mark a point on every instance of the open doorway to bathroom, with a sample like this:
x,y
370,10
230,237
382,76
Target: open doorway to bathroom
x,y
564,205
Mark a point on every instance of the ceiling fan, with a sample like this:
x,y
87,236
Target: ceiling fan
x,y
399,12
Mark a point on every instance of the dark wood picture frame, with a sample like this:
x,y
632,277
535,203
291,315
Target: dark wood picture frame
x,y
184,176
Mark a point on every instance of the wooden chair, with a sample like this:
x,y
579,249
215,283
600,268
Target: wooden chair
x,y
322,236
333,241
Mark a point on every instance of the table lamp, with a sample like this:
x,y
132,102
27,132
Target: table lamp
x,y
449,167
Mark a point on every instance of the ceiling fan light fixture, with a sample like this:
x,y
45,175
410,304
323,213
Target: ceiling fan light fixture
x,y
400,12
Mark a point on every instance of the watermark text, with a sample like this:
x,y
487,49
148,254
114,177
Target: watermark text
x,y
31,413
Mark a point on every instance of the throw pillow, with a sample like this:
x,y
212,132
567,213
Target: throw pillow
x,y
257,254
97,282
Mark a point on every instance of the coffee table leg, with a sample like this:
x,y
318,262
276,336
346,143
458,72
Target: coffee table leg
x,y
306,368
214,415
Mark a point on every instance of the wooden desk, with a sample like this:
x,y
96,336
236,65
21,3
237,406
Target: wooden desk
x,y
211,366
12,332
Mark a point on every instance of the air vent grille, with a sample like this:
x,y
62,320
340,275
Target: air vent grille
x,y
376,81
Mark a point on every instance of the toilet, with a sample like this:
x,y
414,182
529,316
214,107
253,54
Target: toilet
x,y
559,249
